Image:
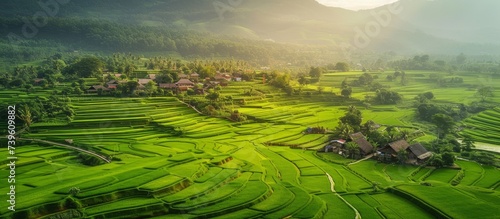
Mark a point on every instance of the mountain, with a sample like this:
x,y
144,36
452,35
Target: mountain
x,y
413,26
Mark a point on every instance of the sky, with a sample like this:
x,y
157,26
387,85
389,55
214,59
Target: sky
x,y
355,4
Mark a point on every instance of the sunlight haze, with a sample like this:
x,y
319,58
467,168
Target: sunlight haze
x,y
355,4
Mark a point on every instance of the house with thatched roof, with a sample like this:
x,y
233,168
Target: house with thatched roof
x,y
415,152
95,88
168,86
365,147
418,152
144,81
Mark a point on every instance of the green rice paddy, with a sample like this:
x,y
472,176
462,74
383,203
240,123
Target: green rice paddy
x,y
219,169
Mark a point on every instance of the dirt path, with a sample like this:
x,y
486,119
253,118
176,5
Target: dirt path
x,y
365,158
107,160
332,187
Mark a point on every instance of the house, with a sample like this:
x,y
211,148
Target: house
x,y
392,149
152,76
334,145
112,86
37,81
184,82
95,88
365,147
418,152
112,82
194,76
144,81
415,152
168,86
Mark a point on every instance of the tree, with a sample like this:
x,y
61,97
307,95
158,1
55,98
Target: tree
x,y
342,66
151,88
349,123
352,149
444,123
448,158
74,191
346,92
16,83
484,92
213,96
468,143
437,161
425,97
402,156
28,88
315,72
24,114
86,67
461,58
344,84
303,80
384,96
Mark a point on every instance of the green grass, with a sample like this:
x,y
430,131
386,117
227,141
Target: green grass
x,y
454,202
400,207
260,181
253,191
442,175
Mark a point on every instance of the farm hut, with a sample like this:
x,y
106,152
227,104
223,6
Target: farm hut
x,y
418,152
194,76
334,145
365,147
37,81
152,76
144,81
394,147
115,82
168,86
184,83
95,88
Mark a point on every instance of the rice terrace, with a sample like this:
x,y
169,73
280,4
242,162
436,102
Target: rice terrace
x,y
135,115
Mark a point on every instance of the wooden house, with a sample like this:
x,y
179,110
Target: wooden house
x,y
365,147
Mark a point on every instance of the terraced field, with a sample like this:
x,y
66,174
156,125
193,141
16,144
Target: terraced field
x,y
484,127
168,161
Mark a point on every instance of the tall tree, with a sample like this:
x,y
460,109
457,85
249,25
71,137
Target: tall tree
x,y
315,72
444,123
484,93
342,66
24,114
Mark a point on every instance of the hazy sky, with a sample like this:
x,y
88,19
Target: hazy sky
x,y
355,4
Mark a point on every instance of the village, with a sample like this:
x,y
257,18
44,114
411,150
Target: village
x,y
184,83
398,151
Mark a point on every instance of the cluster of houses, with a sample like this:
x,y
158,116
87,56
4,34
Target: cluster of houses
x,y
185,82
415,153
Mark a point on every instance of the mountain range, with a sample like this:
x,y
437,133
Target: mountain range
x,y
407,26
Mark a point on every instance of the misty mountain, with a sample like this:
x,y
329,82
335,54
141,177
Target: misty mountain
x,y
413,26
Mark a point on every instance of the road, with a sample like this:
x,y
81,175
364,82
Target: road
x,y
332,187
107,160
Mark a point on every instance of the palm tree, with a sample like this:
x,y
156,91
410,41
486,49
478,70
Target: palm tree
x,y
74,191
24,114
468,143
352,149
402,156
